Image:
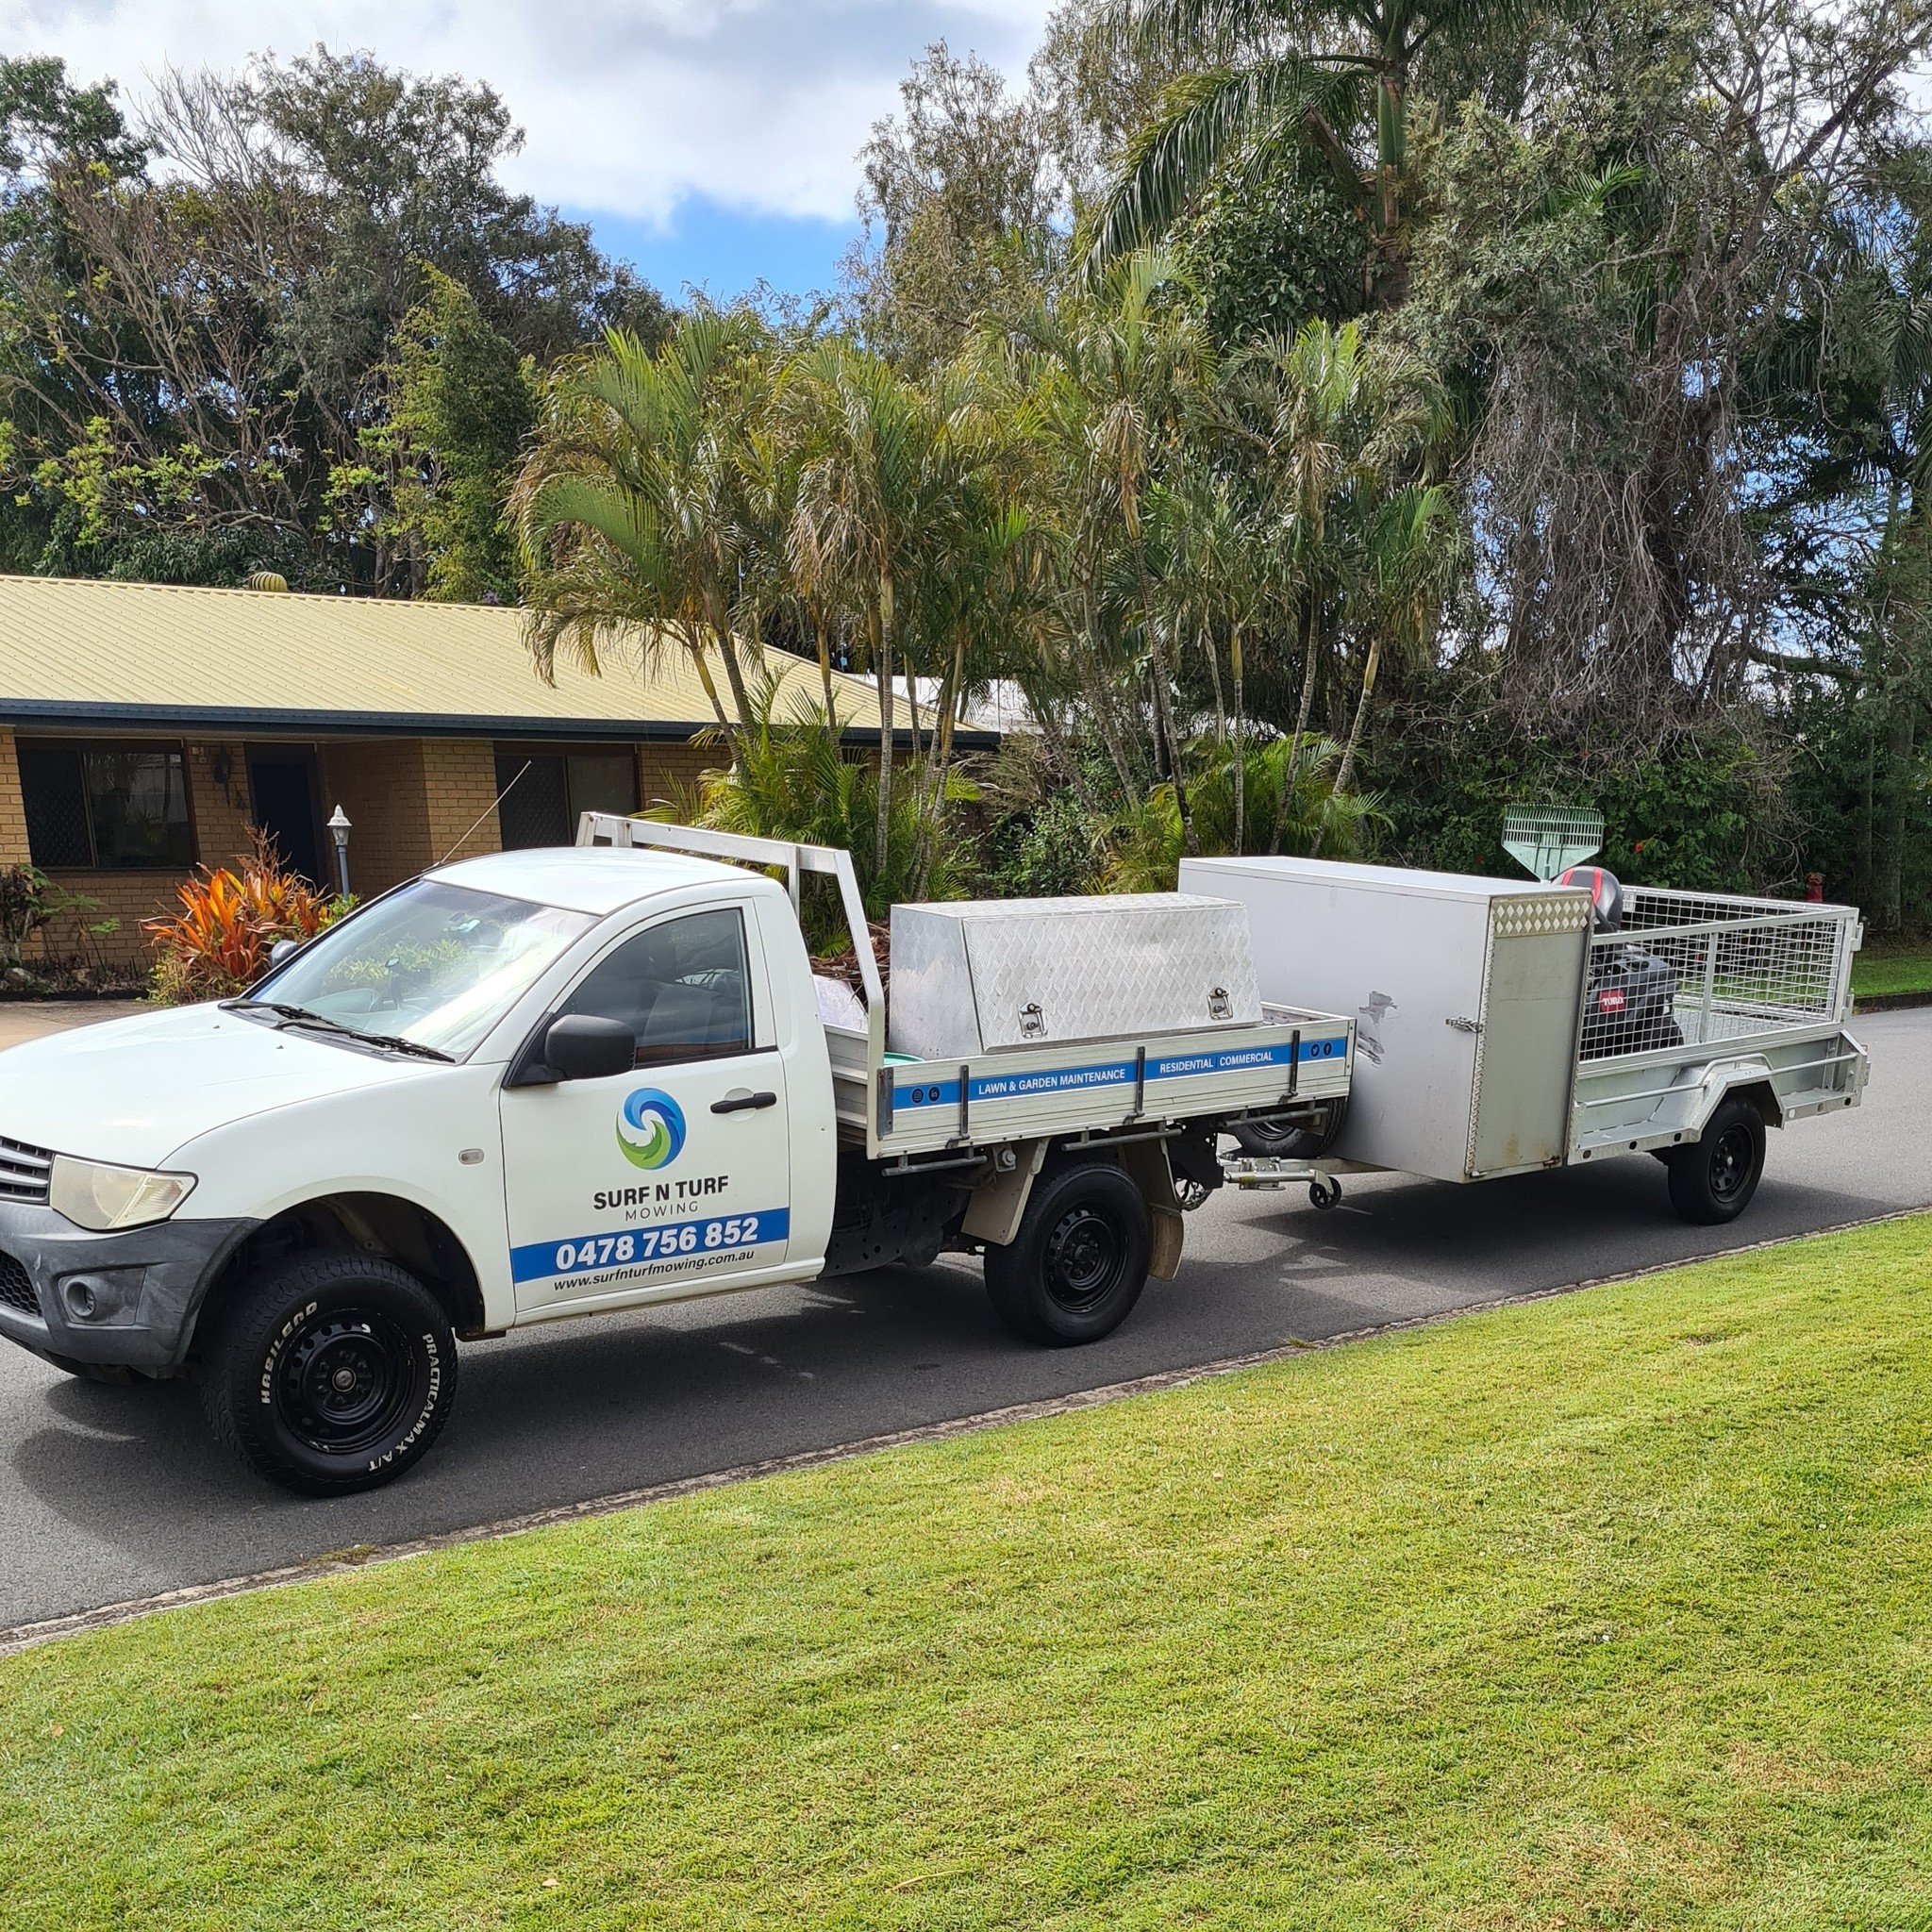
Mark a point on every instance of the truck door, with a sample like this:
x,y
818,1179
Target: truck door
x,y
673,1180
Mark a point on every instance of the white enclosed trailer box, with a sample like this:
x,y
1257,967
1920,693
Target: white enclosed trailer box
x,y
1490,1027
1466,995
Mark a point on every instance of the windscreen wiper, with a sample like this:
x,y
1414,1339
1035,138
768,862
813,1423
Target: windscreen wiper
x,y
288,1015
394,1042
301,1016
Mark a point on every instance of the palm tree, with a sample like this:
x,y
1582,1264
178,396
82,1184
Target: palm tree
x,y
1403,572
1218,581
1330,420
631,507
1255,86
870,506
1114,375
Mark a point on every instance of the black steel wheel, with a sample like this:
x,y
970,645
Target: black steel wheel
x,y
1079,1261
1285,1141
330,1373
1713,1178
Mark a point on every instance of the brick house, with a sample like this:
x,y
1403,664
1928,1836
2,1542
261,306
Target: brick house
x,y
144,728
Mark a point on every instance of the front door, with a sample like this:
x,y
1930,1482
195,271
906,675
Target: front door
x,y
673,1180
282,783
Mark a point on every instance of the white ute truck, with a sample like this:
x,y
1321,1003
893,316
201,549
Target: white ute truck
x,y
566,1082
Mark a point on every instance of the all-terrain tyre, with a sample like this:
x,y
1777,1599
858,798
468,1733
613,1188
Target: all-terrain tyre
x,y
1279,1140
1712,1179
1077,1266
330,1373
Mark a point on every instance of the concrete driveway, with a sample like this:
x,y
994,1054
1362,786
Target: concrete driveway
x,y
113,1493
23,1020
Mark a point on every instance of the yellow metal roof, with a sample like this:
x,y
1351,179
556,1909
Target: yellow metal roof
x,y
81,650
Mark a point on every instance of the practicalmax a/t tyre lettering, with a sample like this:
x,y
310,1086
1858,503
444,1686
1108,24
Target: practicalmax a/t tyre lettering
x,y
430,1397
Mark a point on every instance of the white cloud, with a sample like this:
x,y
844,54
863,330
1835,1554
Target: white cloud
x,y
630,104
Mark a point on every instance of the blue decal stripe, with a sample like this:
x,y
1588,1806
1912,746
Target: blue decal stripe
x,y
1110,1073
642,1246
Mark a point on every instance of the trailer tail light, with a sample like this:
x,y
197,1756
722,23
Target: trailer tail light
x,y
1611,1000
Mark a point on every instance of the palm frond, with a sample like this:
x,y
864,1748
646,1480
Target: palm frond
x,y
1206,119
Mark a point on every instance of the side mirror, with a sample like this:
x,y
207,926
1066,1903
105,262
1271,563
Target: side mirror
x,y
283,949
583,1046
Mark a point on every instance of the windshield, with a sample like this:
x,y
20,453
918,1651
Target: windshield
x,y
431,963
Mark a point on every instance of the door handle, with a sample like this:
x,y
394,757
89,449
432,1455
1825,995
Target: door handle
x,y
743,1102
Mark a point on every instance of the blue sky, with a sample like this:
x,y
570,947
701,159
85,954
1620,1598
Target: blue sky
x,y
723,250
709,141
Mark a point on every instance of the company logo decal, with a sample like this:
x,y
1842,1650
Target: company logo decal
x,y
650,1128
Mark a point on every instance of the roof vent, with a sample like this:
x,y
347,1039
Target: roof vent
x,y
268,581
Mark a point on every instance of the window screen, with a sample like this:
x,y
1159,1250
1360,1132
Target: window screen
x,y
682,988
533,807
114,807
544,792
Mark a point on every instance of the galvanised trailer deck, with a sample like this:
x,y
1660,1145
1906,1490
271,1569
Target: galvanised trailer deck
x,y
1499,1032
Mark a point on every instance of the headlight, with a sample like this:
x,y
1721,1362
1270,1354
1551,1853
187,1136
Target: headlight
x,y
105,1198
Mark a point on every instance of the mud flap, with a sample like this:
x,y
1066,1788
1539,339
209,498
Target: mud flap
x,y
996,1209
1146,1162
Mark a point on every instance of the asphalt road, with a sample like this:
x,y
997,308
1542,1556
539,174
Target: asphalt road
x,y
112,1493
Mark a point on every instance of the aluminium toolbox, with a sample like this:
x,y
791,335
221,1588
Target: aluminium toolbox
x,y
984,976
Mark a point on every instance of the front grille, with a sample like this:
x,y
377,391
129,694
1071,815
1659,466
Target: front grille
x,y
23,1172
16,1287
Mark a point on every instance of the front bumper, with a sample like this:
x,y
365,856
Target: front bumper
x,y
140,1288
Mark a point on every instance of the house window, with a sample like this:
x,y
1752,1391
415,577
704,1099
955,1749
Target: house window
x,y
111,806
541,793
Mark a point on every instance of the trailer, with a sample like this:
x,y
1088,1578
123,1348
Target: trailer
x,y
1499,1031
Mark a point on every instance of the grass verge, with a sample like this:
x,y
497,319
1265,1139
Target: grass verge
x,y
1604,1611
1877,973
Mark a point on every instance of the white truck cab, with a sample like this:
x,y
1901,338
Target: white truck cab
x,y
552,1083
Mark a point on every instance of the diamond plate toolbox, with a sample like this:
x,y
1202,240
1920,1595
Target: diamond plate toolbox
x,y
978,975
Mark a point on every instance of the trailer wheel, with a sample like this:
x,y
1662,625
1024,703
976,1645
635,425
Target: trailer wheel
x,y
1281,1141
1076,1269
1712,1179
330,1373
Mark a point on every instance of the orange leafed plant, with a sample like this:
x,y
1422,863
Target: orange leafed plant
x,y
219,942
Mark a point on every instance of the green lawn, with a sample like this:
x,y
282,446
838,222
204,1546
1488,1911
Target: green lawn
x,y
1612,1610
1905,970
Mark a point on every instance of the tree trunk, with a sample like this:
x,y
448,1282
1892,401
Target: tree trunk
x,y
694,646
1347,770
882,670
932,818
1163,706
1213,659
1241,759
824,649
1100,706
1300,726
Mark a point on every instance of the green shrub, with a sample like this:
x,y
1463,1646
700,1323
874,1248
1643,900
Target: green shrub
x,y
1703,813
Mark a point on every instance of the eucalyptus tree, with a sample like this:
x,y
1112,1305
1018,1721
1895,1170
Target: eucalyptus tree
x,y
632,507
1852,372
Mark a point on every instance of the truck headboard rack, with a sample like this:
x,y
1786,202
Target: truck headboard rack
x,y
793,857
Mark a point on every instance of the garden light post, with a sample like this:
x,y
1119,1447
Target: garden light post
x,y
339,830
